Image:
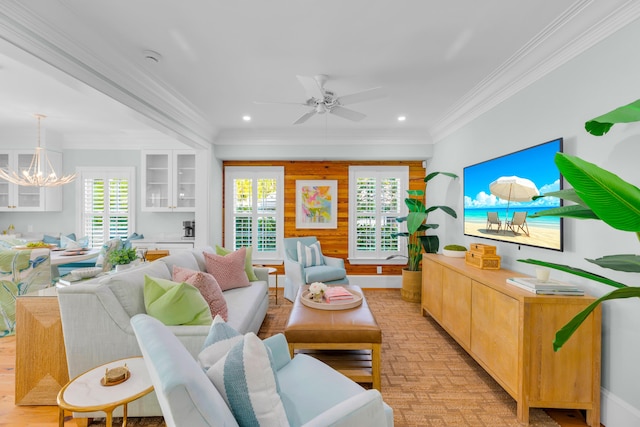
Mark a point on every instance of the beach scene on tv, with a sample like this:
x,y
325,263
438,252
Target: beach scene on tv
x,y
498,197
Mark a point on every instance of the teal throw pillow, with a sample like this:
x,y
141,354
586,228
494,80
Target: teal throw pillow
x,y
175,303
220,340
248,261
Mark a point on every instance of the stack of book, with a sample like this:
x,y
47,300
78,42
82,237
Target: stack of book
x,y
337,293
548,287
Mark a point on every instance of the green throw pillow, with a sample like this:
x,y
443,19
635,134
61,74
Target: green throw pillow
x,y
248,262
175,303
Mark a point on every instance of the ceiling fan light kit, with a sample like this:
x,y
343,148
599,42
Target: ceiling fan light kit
x,y
322,100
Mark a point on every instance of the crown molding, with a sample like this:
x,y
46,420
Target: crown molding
x,y
155,104
555,45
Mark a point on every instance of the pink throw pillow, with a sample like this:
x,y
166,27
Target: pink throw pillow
x,y
228,270
208,287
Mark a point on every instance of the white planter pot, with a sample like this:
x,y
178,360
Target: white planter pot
x,y
453,254
121,267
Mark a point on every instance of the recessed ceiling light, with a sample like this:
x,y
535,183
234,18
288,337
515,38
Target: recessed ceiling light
x,y
401,118
246,118
151,56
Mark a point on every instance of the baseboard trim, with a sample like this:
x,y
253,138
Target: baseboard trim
x,y
365,282
615,412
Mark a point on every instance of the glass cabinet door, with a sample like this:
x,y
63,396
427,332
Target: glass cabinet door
x,y
157,181
185,188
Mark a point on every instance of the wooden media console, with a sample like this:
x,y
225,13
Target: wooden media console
x,y
510,331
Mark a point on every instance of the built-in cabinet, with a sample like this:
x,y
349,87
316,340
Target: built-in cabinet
x,y
168,181
171,246
510,331
18,198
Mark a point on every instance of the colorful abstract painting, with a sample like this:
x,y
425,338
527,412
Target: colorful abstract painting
x,y
316,205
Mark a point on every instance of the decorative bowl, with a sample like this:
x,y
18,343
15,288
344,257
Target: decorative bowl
x,y
85,273
453,254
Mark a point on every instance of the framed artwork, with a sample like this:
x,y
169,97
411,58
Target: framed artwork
x,y
317,204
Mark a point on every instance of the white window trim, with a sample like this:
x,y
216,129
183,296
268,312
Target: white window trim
x,y
255,172
379,171
110,172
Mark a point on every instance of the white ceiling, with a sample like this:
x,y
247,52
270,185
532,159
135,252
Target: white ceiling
x,y
440,63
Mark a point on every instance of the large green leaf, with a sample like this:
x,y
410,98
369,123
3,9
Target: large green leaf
x,y
571,211
415,220
414,205
625,114
612,199
576,271
629,263
446,209
414,193
434,174
567,330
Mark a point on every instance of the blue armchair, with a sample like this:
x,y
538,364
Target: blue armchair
x,y
331,270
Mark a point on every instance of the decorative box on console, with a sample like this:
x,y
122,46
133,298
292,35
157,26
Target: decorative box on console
x,y
483,256
483,249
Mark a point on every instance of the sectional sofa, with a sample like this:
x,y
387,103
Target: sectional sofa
x,y
96,317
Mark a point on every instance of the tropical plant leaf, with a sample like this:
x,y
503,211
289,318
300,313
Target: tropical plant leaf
x,y
425,227
571,211
415,192
612,199
415,220
597,128
625,114
575,271
629,263
567,330
415,205
565,194
432,175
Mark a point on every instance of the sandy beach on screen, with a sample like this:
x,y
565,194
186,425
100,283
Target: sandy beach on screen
x,y
538,236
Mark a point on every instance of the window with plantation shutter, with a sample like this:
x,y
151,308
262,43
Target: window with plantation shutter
x,y
254,210
107,204
376,199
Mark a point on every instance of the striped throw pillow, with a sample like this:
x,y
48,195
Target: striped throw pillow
x,y
220,340
310,255
246,379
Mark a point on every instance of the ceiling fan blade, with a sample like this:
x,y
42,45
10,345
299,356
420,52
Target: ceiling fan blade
x,y
306,116
348,114
365,95
311,87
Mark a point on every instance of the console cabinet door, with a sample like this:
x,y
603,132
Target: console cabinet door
x,y
495,334
432,288
456,306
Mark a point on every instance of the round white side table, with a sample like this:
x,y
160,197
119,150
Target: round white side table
x,y
85,393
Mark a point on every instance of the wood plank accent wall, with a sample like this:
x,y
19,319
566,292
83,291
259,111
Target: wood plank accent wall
x,y
335,242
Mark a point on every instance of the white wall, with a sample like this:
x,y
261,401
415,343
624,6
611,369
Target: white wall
x,y
603,78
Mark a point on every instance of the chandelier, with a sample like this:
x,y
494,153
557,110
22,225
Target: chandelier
x,y
40,172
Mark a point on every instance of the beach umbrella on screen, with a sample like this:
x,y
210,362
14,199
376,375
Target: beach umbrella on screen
x,y
513,189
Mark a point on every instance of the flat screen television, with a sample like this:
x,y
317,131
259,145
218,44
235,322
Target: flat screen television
x,y
497,203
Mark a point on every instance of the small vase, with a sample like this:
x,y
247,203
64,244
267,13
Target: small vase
x,y
317,297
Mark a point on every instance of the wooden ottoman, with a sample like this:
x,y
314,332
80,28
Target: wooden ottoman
x,y
354,331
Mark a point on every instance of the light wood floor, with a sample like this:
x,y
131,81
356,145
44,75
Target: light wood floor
x,y
47,416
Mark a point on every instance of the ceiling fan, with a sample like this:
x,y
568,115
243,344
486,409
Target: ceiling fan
x,y
322,100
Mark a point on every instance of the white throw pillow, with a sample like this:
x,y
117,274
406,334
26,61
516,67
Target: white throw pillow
x,y
220,340
310,255
246,378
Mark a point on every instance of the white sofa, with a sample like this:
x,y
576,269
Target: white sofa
x,y
96,318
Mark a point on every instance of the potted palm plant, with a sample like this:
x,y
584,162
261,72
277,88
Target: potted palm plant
x,y
417,225
600,195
